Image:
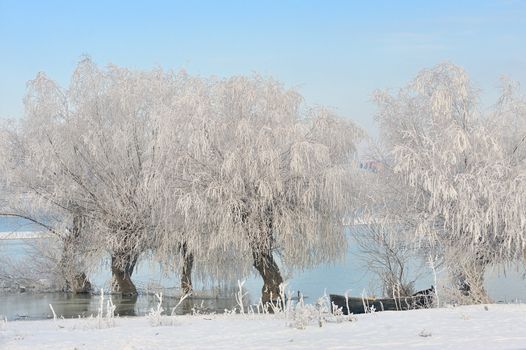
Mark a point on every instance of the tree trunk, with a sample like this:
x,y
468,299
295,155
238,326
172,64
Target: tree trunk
x,y
470,280
80,284
122,266
269,271
76,280
186,273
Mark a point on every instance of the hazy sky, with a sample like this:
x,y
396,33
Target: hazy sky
x,y
334,52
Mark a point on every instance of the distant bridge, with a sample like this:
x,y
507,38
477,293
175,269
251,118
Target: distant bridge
x,y
24,235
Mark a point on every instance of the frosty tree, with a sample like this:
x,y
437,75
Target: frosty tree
x,y
258,178
508,123
87,157
448,174
27,195
228,174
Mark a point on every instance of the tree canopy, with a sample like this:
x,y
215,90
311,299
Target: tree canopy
x,y
259,175
223,172
451,168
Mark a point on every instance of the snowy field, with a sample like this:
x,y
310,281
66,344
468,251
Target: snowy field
x,y
492,326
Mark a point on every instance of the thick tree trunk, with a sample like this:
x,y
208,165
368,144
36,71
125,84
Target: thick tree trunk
x,y
80,284
470,280
269,271
122,266
76,280
186,273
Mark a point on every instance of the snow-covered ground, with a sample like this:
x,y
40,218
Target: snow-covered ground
x,y
493,326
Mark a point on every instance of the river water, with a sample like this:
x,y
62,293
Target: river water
x,y
348,275
35,306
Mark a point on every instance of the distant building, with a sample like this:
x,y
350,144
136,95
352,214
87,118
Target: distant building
x,y
371,165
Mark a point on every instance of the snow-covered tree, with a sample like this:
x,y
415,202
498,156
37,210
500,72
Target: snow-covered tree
x,y
25,195
445,175
508,124
228,174
257,178
86,159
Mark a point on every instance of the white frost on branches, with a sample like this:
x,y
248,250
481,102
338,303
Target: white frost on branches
x,y
217,171
452,173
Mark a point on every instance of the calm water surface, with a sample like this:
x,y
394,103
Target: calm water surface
x,y
35,306
347,275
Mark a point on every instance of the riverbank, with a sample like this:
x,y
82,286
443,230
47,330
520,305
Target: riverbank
x,y
493,326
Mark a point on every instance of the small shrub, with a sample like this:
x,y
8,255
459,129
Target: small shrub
x,y
156,317
106,315
302,315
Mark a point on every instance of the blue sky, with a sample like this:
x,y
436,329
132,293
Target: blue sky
x,y
334,52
